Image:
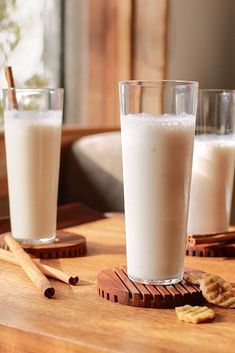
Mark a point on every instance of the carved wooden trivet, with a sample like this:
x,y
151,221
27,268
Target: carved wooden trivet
x,y
113,284
66,245
211,250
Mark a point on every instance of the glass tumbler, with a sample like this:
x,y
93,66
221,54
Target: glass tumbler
x,y
157,128
213,163
33,139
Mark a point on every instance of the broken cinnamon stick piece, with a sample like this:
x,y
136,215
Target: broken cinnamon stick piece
x,y
30,268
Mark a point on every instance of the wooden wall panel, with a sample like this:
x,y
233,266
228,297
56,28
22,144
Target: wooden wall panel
x,y
124,38
109,48
149,39
110,63
119,40
149,48
95,62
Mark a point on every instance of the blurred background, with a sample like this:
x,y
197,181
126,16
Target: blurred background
x,y
87,46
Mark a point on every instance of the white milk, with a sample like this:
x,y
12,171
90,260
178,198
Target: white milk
x,y
212,184
157,161
33,151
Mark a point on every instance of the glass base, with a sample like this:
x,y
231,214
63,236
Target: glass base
x,y
165,282
46,240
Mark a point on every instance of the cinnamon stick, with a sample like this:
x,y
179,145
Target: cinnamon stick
x,y
11,86
46,269
227,237
30,268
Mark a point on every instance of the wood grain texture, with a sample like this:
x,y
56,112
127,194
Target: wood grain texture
x,y
115,40
48,271
67,244
212,245
227,237
124,38
30,268
109,53
211,250
149,45
149,40
127,40
80,321
114,284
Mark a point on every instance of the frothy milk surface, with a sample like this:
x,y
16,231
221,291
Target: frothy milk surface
x,y
212,183
33,150
157,160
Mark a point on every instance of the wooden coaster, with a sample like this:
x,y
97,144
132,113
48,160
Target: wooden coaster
x,y
113,284
211,250
212,244
66,245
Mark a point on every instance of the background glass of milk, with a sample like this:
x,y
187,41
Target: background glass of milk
x,y
158,127
33,139
213,163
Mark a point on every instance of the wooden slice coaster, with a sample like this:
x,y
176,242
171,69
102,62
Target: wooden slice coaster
x,y
66,245
113,284
211,250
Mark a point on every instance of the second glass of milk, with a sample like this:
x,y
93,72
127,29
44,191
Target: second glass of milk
x,y
213,163
158,127
33,139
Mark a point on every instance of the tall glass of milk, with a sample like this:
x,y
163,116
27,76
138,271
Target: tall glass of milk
x,y
32,140
213,163
157,127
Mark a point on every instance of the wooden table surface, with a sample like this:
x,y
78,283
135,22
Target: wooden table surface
x,y
78,320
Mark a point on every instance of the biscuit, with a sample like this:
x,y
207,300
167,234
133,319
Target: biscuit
x,y
194,314
214,288
217,291
193,277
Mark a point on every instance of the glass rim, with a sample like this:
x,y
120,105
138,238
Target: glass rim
x,y
33,89
216,90
159,83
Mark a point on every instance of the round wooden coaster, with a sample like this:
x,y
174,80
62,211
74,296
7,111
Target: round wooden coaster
x,y
211,250
66,245
113,284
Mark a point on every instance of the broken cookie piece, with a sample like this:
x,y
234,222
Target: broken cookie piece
x,y
214,288
217,291
193,277
194,314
